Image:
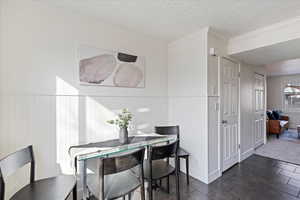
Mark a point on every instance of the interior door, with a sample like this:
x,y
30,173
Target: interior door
x,y
259,108
229,75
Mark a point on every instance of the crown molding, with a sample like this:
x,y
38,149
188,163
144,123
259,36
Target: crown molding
x,y
273,34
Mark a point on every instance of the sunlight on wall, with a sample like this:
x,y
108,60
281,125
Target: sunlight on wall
x,y
97,128
67,123
141,127
143,110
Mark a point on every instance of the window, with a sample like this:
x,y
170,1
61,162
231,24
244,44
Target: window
x,y
292,96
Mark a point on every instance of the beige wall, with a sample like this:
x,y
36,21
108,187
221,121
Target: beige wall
x,y
275,86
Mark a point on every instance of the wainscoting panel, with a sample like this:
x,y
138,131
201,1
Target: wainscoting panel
x,y
191,114
52,123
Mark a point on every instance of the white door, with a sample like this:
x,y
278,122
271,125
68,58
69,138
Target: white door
x,y
229,75
259,109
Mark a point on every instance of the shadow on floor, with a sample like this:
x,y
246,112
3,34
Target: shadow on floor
x,y
256,178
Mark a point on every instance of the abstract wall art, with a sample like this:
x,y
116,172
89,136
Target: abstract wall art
x,y
111,68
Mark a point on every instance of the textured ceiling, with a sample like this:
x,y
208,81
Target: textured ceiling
x,y
171,19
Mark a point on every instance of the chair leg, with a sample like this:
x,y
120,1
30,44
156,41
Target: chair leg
x,y
177,180
150,190
143,191
155,185
75,192
179,170
187,170
142,177
123,198
168,184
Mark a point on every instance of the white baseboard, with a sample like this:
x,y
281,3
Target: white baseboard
x,y
246,154
258,144
214,175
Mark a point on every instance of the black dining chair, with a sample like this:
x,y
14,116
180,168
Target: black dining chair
x,y
55,188
174,130
118,176
156,168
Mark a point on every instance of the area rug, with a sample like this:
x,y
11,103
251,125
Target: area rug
x,y
291,135
281,149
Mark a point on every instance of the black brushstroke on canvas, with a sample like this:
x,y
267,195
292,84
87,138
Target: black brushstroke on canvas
x,y
126,57
95,82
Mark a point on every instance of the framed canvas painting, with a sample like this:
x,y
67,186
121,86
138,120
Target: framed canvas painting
x,y
110,68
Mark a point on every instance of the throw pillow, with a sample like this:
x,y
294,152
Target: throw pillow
x,y
276,115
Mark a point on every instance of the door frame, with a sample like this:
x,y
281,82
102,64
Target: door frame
x,y
220,145
265,109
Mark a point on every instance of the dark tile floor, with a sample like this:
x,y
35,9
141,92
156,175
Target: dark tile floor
x,y
256,178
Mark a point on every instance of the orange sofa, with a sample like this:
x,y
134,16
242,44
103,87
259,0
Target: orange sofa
x,y
278,126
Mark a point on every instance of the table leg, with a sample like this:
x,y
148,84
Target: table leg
x,y
83,178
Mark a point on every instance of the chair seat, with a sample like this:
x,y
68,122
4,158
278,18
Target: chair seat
x,y
54,188
182,152
160,169
115,185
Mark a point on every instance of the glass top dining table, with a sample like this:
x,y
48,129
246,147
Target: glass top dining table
x,y
83,153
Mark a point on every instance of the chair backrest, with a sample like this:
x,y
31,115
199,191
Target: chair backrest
x,y
119,163
167,130
2,187
11,163
164,151
122,162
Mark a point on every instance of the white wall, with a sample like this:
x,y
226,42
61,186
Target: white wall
x,y
1,132
43,104
194,98
187,60
246,106
275,86
219,44
247,112
41,101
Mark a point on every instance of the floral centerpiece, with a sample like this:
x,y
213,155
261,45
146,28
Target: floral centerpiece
x,y
122,121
